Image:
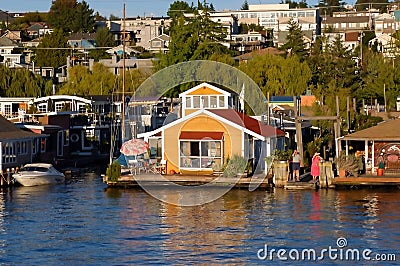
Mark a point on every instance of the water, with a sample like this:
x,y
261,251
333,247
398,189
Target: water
x,y
83,223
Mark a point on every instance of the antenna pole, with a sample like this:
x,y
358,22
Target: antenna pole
x,y
123,80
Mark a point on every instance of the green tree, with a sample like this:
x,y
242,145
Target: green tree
x,y
52,50
190,37
293,4
20,83
372,4
329,6
295,44
245,5
71,16
277,75
177,8
103,39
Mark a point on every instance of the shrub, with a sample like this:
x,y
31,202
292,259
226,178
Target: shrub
x,y
237,164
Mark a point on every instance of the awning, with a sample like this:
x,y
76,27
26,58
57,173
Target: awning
x,y
198,135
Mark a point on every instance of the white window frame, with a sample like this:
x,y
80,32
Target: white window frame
x,y
188,161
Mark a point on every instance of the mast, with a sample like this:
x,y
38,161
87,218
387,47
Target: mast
x,y
123,79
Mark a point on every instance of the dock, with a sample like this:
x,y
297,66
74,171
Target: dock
x,y
129,180
367,181
302,185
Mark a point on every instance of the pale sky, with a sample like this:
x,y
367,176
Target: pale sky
x,y
133,7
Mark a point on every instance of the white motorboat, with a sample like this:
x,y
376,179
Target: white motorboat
x,y
36,174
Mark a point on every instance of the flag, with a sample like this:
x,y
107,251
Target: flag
x,y
241,98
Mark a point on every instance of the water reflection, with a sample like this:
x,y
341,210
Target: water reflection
x,y
51,225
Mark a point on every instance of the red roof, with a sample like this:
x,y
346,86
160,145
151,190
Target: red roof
x,y
201,135
248,122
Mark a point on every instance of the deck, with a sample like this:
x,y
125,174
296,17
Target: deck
x,y
130,180
367,180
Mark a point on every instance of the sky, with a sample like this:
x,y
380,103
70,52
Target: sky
x,y
134,8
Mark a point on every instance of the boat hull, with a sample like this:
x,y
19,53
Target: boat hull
x,y
37,180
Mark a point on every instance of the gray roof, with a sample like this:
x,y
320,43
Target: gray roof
x,y
385,131
8,131
4,41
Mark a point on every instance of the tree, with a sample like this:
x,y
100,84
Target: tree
x,y
195,37
71,16
177,8
372,4
277,75
292,4
20,83
334,70
295,44
330,6
103,39
245,5
52,50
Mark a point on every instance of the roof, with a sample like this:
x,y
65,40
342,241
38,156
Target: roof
x,y
9,131
385,131
232,117
351,36
4,41
163,37
203,85
248,122
79,36
120,50
355,19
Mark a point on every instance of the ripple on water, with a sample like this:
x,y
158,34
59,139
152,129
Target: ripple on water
x,y
84,223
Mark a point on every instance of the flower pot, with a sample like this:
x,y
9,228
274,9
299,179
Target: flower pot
x,y
342,173
380,171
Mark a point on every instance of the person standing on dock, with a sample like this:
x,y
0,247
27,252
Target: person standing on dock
x,y
296,165
315,172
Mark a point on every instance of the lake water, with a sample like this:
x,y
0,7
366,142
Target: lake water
x,y
84,223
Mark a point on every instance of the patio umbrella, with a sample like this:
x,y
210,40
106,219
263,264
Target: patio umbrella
x,y
134,147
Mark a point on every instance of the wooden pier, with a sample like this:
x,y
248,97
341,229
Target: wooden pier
x,y
129,180
302,185
367,181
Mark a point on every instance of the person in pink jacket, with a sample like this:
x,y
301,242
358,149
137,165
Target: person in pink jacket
x,y
315,166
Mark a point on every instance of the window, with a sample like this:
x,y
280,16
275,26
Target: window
x,y
22,147
81,108
59,106
196,101
205,101
156,44
188,102
213,101
66,137
42,108
200,154
9,152
60,144
42,145
221,100
7,109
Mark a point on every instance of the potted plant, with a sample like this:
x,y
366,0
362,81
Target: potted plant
x,y
280,155
381,168
347,164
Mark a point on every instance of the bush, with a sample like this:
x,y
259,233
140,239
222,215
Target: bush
x,y
350,163
113,172
237,164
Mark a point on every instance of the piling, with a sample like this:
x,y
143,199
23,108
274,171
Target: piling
x,y
326,175
281,173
